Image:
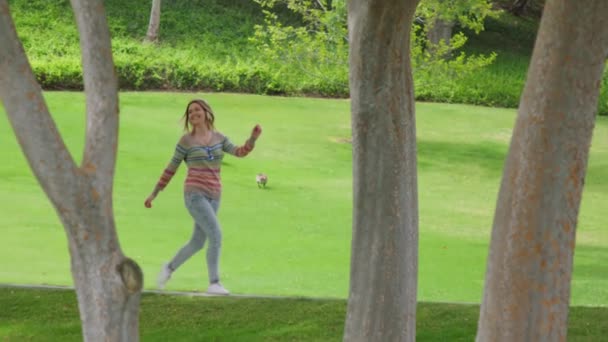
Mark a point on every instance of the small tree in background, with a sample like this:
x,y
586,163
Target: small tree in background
x,y
154,23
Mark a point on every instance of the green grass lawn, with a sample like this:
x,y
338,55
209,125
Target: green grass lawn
x,y
292,238
46,315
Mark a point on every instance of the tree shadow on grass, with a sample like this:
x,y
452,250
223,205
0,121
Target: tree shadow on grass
x,y
489,156
590,263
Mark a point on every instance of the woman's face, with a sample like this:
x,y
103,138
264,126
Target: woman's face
x,y
196,114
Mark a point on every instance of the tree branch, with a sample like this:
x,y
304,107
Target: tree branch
x,y
321,5
27,111
101,85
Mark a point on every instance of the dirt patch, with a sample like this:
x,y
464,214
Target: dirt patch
x,y
341,140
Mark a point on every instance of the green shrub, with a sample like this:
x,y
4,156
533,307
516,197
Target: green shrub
x,y
59,73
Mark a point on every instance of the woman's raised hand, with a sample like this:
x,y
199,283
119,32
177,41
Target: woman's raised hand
x,y
257,130
148,202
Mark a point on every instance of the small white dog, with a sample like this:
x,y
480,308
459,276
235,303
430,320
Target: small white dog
x,y
261,179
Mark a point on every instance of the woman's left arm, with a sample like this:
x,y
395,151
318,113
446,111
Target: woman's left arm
x,y
242,151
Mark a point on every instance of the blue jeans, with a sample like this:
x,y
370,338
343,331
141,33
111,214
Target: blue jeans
x,y
206,228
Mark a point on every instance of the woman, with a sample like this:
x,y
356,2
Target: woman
x,y
202,148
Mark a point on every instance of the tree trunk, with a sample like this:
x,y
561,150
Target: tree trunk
x,y
108,285
384,260
440,31
154,24
518,7
529,270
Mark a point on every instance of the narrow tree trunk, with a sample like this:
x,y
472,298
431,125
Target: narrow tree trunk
x,y
154,24
384,260
529,270
519,7
108,284
440,31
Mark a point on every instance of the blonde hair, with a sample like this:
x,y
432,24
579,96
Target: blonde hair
x,y
209,115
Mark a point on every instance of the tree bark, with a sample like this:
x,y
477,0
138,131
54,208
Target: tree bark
x,y
384,260
154,24
108,285
440,31
519,7
529,270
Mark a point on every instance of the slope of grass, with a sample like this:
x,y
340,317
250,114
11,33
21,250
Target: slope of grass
x,y
45,315
292,238
218,28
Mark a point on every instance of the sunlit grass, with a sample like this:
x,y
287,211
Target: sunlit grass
x,y
292,238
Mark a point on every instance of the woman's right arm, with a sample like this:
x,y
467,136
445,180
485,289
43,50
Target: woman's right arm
x,y
165,178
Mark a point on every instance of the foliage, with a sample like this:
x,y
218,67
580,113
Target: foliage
x,y
603,100
205,45
469,14
318,49
437,77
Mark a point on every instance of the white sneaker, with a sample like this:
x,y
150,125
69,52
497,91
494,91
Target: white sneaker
x,y
163,276
217,289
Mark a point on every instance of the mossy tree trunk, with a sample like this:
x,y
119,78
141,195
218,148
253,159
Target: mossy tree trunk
x,y
527,289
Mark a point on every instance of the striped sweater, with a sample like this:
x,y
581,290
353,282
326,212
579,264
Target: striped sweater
x,y
204,163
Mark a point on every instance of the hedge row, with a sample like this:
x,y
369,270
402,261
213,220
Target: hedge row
x,y
490,87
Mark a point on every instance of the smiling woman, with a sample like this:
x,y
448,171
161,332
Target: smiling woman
x,y
202,148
